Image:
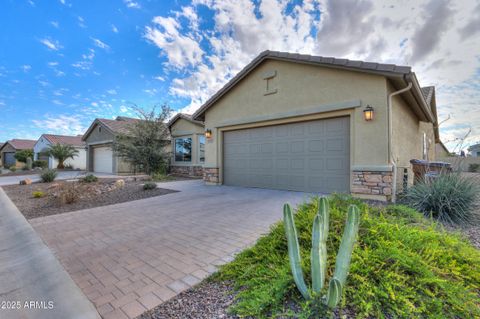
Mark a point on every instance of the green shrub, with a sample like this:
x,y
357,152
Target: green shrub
x,y
149,186
403,266
38,194
40,163
450,198
68,193
474,167
22,155
90,178
13,168
29,163
48,175
161,177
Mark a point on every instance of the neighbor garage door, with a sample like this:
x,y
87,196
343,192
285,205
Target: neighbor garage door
x,y
309,156
9,159
102,159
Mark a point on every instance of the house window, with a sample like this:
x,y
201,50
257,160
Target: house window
x,y
201,148
183,149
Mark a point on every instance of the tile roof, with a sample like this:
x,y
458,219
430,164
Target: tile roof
x,y
64,139
379,68
19,144
120,125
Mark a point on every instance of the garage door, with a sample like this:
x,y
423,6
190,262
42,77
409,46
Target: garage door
x,y
9,159
309,156
102,159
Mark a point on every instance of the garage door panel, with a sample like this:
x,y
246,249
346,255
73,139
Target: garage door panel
x,y
308,156
103,159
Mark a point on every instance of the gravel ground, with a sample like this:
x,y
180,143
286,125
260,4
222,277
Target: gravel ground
x,y
96,194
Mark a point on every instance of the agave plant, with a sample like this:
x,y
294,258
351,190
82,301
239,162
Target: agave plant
x,y
319,252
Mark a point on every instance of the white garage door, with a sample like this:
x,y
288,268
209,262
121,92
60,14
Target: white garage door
x,y
309,156
103,159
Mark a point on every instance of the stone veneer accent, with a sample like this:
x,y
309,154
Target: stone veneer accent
x,y
196,171
372,183
211,175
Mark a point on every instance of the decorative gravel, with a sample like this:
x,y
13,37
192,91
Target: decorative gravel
x,y
92,195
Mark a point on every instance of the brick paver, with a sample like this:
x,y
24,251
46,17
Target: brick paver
x,y
130,257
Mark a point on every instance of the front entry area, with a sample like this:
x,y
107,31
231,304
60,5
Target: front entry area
x,y
312,156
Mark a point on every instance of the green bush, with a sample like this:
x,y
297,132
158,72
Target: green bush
x,y
161,177
13,168
22,155
40,163
149,186
48,175
450,198
90,178
474,167
403,266
38,194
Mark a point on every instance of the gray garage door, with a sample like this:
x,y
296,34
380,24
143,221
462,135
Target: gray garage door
x,y
9,159
309,156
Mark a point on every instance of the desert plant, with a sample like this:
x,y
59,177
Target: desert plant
x,y
22,155
90,178
319,252
149,186
29,163
119,183
62,152
449,198
38,194
474,167
12,168
40,163
68,193
48,175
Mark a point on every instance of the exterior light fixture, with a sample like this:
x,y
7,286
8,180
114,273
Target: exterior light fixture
x,y
208,133
368,113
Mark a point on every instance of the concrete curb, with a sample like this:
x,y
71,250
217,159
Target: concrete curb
x,y
33,283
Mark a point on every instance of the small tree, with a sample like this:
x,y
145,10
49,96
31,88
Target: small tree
x,y
62,152
22,155
146,143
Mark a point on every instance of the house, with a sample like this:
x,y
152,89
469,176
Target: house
x,y
188,145
474,150
441,151
321,125
8,150
99,139
46,140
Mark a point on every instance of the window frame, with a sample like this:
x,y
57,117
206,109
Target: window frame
x,y
199,137
175,149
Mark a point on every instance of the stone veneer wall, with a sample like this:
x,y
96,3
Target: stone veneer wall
x,y
196,171
372,183
211,175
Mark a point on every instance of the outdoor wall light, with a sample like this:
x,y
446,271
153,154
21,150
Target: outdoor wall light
x,y
368,113
208,133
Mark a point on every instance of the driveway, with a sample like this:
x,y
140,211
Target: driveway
x,y
11,180
130,257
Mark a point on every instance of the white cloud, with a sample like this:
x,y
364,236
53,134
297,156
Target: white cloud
x,y
81,22
114,28
57,102
54,24
51,44
112,91
90,55
123,109
61,124
159,78
438,38
82,65
132,4
26,68
51,64
100,44
151,91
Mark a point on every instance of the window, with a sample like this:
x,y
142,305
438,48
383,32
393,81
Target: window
x,y
183,149
201,148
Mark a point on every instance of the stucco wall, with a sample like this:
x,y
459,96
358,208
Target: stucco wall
x,y
302,88
96,136
407,138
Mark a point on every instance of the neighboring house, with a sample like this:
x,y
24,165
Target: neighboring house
x,y
47,140
441,151
300,122
8,150
99,139
474,150
188,145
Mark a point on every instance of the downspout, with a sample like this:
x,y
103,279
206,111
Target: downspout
x,y
391,160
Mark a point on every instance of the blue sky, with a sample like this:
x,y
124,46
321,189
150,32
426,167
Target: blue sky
x,y
65,62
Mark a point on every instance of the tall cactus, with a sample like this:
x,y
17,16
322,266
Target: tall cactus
x,y
319,252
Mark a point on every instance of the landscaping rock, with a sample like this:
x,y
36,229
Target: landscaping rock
x,y
26,181
119,183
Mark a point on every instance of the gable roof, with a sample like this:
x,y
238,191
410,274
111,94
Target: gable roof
x,y
64,139
20,144
121,125
391,71
184,116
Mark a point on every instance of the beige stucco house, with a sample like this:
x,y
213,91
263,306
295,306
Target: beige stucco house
x,y
188,145
300,122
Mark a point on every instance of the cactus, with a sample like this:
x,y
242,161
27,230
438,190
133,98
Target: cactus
x,y
29,163
319,252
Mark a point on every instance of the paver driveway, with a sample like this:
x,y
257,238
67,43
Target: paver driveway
x,y
130,257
